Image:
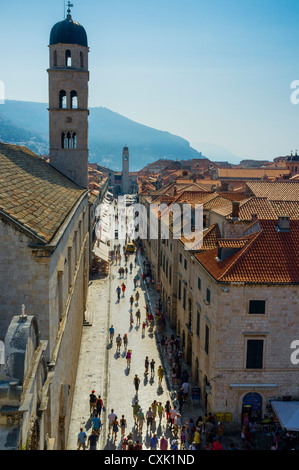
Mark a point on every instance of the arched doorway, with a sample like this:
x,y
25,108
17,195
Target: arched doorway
x,y
252,404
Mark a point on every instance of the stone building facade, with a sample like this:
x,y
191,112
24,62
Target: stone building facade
x,y
44,250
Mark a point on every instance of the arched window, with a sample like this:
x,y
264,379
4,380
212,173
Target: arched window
x,y
74,140
81,60
68,58
69,140
55,59
62,99
74,100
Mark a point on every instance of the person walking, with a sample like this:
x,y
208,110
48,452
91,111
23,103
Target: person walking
x,y
137,295
149,419
115,426
118,291
160,374
138,314
136,382
153,367
123,425
129,357
123,288
81,439
99,406
125,341
135,408
163,443
131,302
118,343
160,410
111,333
111,418
154,442
146,364
140,420
93,440
154,407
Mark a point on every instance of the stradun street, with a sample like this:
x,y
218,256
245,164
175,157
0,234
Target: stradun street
x,y
103,369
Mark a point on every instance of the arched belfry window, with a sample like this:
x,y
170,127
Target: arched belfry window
x,y
74,99
62,99
81,60
68,58
55,59
68,140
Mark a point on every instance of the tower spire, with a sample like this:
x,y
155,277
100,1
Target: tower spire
x,y
70,5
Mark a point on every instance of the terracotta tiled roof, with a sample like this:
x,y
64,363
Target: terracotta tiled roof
x,y
232,243
282,191
247,173
269,257
210,238
288,208
33,193
262,207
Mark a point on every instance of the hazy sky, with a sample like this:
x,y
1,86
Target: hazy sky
x,y
217,71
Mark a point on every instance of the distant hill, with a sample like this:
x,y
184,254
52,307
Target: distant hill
x,y
216,153
26,123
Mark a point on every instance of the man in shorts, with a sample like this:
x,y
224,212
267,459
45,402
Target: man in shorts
x,y
111,418
160,374
82,439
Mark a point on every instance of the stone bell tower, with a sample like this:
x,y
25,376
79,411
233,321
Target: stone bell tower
x,y
68,100
125,171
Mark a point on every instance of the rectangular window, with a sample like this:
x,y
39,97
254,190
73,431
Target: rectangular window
x,y
199,283
185,263
170,275
166,268
254,359
164,263
180,257
257,306
184,298
208,296
198,324
180,289
207,340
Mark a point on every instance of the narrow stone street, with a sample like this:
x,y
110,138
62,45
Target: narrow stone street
x,y
103,370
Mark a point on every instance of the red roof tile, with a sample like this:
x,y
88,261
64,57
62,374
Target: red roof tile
x,y
269,257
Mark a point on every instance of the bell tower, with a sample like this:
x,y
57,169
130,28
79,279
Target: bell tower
x,y
125,171
68,100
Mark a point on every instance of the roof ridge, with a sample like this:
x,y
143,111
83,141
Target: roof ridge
x,y
241,253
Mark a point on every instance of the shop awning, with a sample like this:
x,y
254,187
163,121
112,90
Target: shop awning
x,y
101,251
287,413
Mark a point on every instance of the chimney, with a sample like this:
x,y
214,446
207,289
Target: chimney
x,y
283,223
253,217
236,207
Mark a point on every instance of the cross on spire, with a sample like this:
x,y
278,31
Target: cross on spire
x,y
70,5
